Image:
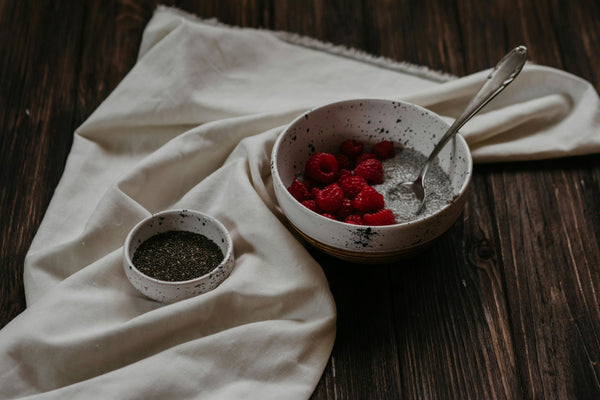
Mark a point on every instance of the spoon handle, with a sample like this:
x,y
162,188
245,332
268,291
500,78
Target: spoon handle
x,y
503,73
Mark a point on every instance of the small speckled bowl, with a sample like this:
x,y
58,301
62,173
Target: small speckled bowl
x,y
369,121
178,220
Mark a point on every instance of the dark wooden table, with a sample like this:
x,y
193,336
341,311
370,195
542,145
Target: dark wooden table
x,y
505,305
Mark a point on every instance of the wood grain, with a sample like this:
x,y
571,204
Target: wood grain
x,y
37,100
505,305
551,285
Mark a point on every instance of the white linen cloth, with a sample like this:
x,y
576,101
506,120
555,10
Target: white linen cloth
x,y
192,126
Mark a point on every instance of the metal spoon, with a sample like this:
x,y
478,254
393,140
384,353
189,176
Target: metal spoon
x,y
504,73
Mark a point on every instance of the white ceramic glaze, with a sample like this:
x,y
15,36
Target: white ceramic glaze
x,y
182,220
370,121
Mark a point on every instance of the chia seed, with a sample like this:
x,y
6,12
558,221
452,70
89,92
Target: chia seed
x,y
177,256
403,167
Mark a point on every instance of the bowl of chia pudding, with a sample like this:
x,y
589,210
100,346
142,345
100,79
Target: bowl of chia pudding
x,y
337,171
177,254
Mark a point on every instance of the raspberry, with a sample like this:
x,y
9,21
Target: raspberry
x,y
343,161
311,205
352,185
382,217
308,183
351,148
384,149
345,209
363,157
330,198
299,190
354,219
330,188
322,167
371,170
368,200
344,173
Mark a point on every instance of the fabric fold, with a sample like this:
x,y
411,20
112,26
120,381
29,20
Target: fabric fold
x,y
544,113
192,126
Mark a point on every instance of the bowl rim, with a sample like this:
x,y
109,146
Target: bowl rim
x,y
383,228
226,256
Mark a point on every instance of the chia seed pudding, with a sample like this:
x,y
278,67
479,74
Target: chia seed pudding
x,y
403,167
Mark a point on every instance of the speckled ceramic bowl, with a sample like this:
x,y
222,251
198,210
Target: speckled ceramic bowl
x,y
178,220
370,121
